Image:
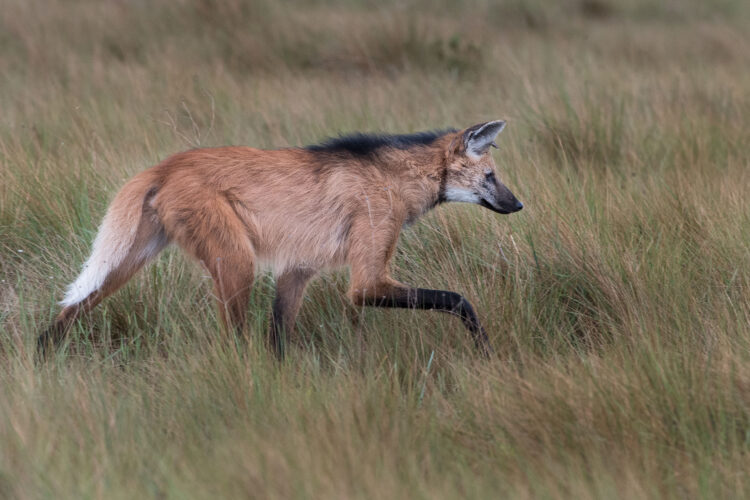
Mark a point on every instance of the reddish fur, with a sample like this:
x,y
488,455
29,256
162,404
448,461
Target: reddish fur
x,y
295,210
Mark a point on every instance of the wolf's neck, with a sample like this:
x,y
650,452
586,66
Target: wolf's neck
x,y
417,176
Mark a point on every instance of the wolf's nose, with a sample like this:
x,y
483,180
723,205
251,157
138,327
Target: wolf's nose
x,y
519,206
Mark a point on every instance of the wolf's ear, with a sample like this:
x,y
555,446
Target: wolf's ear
x,y
479,138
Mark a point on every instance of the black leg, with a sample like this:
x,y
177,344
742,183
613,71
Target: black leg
x,y
438,300
50,339
290,287
276,334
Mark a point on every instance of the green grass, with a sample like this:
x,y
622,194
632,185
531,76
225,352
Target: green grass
x,y
618,300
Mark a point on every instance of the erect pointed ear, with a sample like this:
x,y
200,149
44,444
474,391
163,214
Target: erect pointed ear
x,y
479,138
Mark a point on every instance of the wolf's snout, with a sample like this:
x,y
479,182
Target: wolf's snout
x,y
512,206
508,203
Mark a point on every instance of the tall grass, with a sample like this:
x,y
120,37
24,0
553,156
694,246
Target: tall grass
x,y
618,301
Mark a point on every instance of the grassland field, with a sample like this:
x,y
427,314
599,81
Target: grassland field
x,y
618,300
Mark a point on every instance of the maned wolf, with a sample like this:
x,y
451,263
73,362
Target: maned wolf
x,y
296,211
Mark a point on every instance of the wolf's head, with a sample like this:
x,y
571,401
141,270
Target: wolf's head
x,y
471,175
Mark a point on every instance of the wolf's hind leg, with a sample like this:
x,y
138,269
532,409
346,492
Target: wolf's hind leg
x,y
215,235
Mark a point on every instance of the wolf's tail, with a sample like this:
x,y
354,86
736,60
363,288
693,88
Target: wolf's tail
x,y
130,235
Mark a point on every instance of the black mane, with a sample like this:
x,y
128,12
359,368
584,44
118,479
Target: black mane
x,y
365,144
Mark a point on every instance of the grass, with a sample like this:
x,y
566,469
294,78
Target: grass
x,y
618,300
